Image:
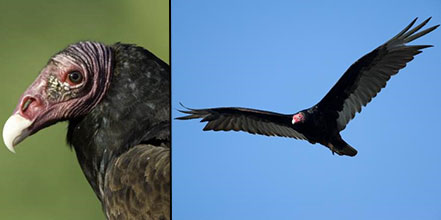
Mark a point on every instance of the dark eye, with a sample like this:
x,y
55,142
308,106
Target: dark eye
x,y
75,77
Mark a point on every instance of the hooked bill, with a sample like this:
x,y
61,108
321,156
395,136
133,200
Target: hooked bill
x,y
14,131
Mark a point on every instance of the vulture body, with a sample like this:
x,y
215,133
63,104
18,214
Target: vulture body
x,y
117,101
323,122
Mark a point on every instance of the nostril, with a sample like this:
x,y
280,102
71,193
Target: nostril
x,y
29,107
26,103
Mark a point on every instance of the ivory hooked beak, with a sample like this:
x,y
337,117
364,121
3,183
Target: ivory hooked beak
x,y
15,131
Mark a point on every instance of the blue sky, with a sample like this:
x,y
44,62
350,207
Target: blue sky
x,y
284,56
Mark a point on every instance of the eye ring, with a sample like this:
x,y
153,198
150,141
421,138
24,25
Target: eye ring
x,y
75,77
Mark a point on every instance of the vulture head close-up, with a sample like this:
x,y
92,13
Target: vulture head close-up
x,y
116,99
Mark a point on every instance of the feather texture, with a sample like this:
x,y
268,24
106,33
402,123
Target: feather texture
x,y
367,76
245,119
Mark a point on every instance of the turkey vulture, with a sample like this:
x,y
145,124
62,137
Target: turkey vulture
x,y
323,122
116,99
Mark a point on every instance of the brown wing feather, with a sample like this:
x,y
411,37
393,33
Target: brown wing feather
x,y
137,184
245,119
367,76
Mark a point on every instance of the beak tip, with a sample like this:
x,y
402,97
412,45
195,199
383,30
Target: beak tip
x,y
11,148
13,131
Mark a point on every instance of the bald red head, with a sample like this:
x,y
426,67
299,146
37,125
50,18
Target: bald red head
x,y
70,85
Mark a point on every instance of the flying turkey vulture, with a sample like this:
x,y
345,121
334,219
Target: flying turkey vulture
x,y
323,122
117,100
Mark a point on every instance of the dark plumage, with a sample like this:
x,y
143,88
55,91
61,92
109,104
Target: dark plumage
x,y
323,122
117,101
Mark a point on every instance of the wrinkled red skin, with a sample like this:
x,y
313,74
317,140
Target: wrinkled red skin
x,y
44,109
298,117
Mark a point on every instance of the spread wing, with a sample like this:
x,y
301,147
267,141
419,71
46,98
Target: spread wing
x,y
245,119
367,76
137,184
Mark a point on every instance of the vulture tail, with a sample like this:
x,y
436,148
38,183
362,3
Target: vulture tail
x,y
342,148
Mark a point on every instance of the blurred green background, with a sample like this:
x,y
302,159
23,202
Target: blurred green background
x,y
43,179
